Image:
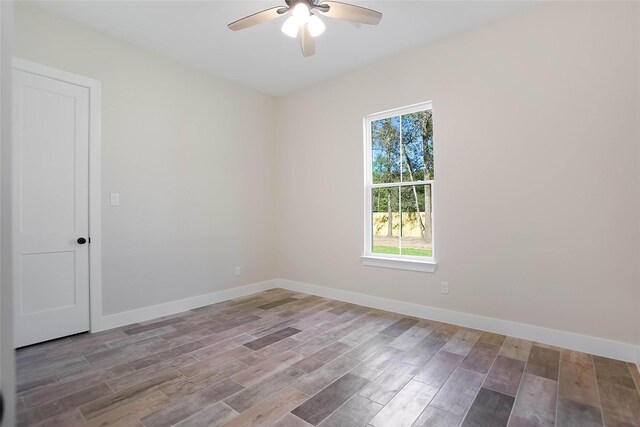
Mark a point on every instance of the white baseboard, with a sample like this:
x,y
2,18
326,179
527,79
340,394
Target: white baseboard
x,y
152,312
584,343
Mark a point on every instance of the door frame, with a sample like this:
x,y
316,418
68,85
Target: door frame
x,y
7,355
95,192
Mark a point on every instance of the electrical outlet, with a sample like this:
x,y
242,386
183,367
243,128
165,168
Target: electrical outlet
x,y
237,273
444,287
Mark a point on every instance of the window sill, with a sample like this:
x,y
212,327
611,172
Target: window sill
x,y
399,264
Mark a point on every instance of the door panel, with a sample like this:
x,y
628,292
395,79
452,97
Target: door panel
x,y
51,207
48,149
59,269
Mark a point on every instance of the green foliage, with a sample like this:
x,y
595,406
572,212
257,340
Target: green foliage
x,y
405,251
386,150
397,159
417,143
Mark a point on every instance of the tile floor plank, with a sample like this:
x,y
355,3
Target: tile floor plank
x,y
113,401
457,394
191,385
270,410
322,377
424,351
571,412
151,326
516,348
257,373
255,394
259,343
356,412
322,404
613,371
273,350
406,406
131,413
577,378
620,404
276,303
212,416
435,417
129,380
505,375
437,370
489,409
399,328
180,409
205,365
462,341
543,362
290,420
384,387
480,358
412,337
536,400
62,389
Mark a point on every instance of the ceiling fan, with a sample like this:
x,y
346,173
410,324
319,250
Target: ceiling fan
x,y
304,24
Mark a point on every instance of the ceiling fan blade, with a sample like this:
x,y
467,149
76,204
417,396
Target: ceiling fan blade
x,y
350,12
256,18
307,43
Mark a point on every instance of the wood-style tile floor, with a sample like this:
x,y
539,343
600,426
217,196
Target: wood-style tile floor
x,y
280,358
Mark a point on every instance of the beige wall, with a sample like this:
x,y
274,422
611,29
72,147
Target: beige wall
x,y
191,156
537,171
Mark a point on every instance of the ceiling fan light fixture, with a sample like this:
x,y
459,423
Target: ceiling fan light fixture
x,y
291,27
316,26
301,13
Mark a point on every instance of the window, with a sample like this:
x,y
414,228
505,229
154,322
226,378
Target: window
x,y
399,184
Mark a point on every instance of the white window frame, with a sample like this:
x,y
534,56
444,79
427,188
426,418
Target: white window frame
x,y
402,262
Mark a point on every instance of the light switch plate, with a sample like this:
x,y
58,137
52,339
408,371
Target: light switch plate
x,y
115,199
444,287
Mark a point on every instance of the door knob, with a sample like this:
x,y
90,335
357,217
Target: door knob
x,y
82,240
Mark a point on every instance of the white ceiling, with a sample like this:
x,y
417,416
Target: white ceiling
x,y
195,33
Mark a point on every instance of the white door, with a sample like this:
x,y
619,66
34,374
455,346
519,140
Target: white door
x,y
51,207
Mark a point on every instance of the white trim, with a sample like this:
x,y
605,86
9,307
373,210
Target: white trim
x,y
7,355
401,262
400,184
95,190
404,263
54,73
409,109
584,343
172,307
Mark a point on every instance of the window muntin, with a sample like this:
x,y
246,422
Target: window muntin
x,y
399,184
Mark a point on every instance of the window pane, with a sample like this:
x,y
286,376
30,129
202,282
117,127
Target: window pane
x,y
416,235
385,146
417,146
385,220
